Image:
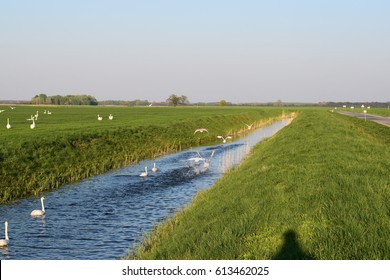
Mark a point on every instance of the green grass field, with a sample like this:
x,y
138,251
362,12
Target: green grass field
x,y
71,144
318,189
384,112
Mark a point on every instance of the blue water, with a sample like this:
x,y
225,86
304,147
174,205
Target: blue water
x,y
105,216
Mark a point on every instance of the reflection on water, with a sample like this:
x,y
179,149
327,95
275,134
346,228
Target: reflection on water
x,y
101,217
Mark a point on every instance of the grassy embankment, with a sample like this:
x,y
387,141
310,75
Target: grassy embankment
x,y
71,144
318,189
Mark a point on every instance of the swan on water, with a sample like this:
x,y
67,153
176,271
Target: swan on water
x,y
207,162
4,242
39,212
197,159
224,138
154,169
144,174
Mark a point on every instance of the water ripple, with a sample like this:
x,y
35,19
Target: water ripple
x,y
102,217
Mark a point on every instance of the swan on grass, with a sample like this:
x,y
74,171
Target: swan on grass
x,y
144,174
37,213
8,124
4,242
110,117
32,126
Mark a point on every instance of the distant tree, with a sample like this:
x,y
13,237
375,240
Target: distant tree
x,y
176,100
173,99
184,100
279,103
222,102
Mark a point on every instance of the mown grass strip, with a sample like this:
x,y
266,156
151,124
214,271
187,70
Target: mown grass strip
x,y
318,189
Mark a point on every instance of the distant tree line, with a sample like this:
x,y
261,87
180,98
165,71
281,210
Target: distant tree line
x,y
136,102
64,100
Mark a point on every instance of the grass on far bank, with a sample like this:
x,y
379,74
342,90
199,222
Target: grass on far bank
x,y
71,144
318,189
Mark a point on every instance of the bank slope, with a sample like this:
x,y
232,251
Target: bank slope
x,y
318,189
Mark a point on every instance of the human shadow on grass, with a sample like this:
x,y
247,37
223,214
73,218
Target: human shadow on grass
x,y
291,250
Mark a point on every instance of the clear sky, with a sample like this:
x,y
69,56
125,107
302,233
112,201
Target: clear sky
x,y
207,50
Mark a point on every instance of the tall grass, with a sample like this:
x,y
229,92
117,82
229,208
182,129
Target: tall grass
x,y
71,144
318,189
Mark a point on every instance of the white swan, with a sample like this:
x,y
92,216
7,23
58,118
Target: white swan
x,y
144,174
197,159
99,118
207,162
154,169
224,138
110,117
4,242
201,130
249,126
8,125
39,212
32,126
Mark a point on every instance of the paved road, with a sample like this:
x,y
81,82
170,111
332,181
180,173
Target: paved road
x,y
378,119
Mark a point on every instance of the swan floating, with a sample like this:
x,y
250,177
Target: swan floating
x,y
154,169
37,213
144,174
4,242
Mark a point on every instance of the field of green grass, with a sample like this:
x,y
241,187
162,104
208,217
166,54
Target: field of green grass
x,y
71,144
318,189
384,112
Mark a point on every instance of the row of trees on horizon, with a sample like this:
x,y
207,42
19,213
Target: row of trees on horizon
x,y
174,100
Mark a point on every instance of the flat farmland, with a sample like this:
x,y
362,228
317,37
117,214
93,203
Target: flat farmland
x,y
69,143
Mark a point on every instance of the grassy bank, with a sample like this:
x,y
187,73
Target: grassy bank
x,y
318,189
71,144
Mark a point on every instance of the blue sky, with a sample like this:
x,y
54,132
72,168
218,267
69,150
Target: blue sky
x,y
240,51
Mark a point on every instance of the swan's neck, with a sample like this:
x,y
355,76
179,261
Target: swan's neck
x,y
146,170
6,231
8,121
43,206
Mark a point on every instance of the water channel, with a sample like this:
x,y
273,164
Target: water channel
x,y
105,216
